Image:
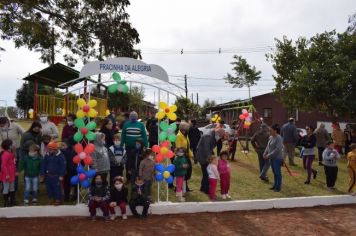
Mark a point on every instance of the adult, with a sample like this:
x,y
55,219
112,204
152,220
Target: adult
x,y
101,159
107,129
69,129
182,141
126,119
31,136
274,153
205,149
48,127
219,143
233,140
322,137
290,138
348,137
194,136
259,141
308,153
338,138
152,129
112,117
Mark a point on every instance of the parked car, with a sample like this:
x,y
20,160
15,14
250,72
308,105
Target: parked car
x,y
206,129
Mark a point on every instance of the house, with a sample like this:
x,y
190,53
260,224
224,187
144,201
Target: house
x,y
272,111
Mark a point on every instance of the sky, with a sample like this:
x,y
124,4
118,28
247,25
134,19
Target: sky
x,y
246,28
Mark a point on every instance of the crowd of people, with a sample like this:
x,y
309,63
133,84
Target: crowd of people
x,y
124,162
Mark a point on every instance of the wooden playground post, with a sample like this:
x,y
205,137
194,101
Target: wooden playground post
x,y
35,99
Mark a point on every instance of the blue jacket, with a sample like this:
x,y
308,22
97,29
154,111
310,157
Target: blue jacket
x,y
54,164
289,133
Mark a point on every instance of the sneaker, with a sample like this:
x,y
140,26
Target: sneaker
x,y
112,217
307,182
34,201
228,196
26,202
124,217
223,196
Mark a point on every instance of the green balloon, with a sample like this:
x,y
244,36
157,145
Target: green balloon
x,y
78,136
79,123
162,136
172,138
116,76
164,125
173,126
123,88
91,125
91,136
112,88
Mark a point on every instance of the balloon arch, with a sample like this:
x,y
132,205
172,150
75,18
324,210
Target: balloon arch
x,y
86,111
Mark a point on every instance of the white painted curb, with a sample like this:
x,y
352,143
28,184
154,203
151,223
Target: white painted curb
x,y
163,208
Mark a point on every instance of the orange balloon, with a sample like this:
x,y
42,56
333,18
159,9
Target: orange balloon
x,y
76,160
78,148
89,148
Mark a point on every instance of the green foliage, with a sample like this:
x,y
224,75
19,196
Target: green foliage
x,y
205,108
131,101
85,28
24,97
186,108
245,75
317,73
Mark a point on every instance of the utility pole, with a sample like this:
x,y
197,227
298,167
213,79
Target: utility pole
x,y
192,98
186,86
197,98
52,48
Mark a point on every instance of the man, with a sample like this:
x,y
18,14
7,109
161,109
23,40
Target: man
x,y
259,141
194,137
205,149
290,138
322,137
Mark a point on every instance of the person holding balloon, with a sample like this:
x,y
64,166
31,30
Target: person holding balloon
x,y
138,198
181,164
118,197
99,196
52,170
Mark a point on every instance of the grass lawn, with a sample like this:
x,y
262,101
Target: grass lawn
x,y
245,183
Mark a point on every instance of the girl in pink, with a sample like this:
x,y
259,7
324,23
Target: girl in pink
x,y
8,172
213,177
224,171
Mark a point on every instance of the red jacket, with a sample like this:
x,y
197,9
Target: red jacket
x,y
8,167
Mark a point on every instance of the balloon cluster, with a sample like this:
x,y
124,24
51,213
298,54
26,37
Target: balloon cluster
x,y
164,173
82,177
168,131
247,118
163,151
165,110
120,85
86,109
84,130
83,154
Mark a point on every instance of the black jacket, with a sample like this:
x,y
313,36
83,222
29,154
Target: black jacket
x,y
194,136
308,141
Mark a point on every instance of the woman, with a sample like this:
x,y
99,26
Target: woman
x,y
182,141
69,129
107,129
31,136
338,137
48,127
308,153
274,154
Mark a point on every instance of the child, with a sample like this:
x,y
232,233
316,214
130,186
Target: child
x,y
101,159
224,171
45,141
351,165
181,165
8,173
118,197
138,199
99,196
117,161
147,172
52,170
329,161
70,192
31,164
213,177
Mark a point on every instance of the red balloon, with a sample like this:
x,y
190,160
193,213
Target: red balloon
x,y
86,108
76,159
88,160
159,158
78,148
170,154
242,117
246,115
156,148
82,177
89,148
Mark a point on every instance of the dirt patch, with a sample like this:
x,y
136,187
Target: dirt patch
x,y
337,220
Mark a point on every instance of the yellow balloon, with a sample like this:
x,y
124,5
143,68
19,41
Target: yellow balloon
x,y
80,114
166,174
163,105
92,103
107,112
173,108
92,113
172,116
160,115
81,102
164,150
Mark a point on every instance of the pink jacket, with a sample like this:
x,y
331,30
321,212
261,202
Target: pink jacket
x,y
223,167
8,167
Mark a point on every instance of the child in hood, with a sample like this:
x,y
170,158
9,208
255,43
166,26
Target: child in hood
x,y
101,159
31,165
117,159
118,197
224,172
330,155
181,164
8,173
99,196
138,198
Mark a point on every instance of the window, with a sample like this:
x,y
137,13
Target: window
x,y
267,112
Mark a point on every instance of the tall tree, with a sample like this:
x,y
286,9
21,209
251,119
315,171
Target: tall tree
x,y
245,75
317,73
352,24
77,28
205,108
186,108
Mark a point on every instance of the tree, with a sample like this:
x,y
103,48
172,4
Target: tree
x,y
136,96
317,73
245,75
24,97
186,108
79,28
205,108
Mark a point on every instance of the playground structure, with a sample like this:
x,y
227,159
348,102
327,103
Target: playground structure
x,y
57,104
